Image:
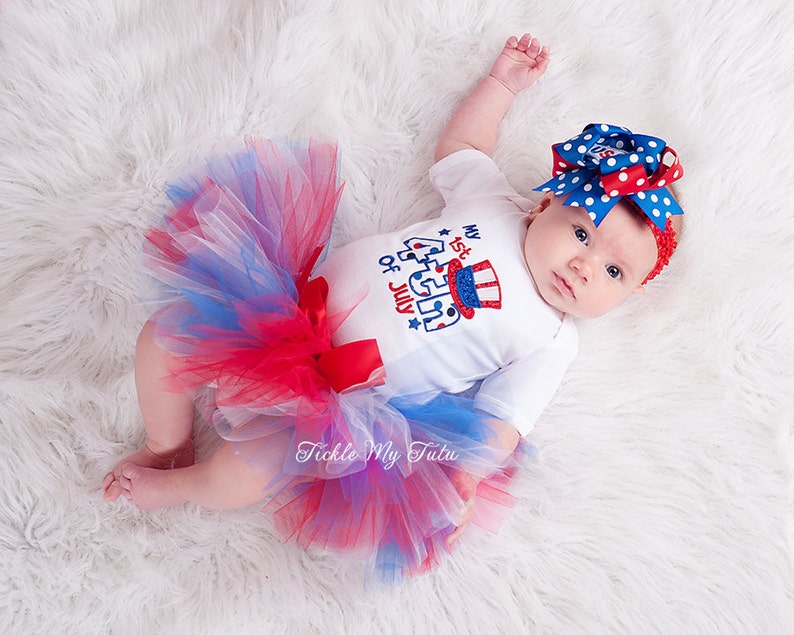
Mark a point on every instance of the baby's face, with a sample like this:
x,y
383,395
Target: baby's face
x,y
582,269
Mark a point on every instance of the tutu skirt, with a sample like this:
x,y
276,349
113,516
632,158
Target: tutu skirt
x,y
373,476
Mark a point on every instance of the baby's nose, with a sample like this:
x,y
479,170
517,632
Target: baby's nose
x,y
583,268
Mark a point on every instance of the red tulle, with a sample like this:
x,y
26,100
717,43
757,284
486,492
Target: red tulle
x,y
248,332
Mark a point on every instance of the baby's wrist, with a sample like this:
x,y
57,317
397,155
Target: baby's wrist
x,y
502,82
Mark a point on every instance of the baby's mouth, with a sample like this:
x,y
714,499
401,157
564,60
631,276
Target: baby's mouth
x,y
563,286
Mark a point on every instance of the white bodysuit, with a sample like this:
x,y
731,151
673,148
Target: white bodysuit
x,y
451,301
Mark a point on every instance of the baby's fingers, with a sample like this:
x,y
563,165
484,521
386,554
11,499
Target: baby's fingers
x,y
534,48
463,523
542,59
525,42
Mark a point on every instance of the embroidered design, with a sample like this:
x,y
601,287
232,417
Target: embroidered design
x,y
474,287
431,282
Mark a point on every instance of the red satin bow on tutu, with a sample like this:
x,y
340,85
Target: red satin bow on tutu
x,y
353,365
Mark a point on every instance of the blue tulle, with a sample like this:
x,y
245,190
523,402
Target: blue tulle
x,y
228,258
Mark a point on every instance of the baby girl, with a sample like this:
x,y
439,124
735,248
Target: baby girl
x,y
376,400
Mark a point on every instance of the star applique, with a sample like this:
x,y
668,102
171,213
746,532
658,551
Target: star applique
x,y
443,232
414,323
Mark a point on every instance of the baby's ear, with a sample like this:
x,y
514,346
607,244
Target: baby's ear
x,y
542,205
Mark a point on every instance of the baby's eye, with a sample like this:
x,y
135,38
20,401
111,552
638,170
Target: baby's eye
x,y
614,272
581,234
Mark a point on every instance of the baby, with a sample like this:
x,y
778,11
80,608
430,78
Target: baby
x,y
338,387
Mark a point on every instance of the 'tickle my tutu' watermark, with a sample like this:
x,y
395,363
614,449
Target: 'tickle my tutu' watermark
x,y
386,453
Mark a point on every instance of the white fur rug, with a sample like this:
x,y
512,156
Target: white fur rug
x,y
663,500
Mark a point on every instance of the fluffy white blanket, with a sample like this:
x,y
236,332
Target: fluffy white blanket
x,y
664,497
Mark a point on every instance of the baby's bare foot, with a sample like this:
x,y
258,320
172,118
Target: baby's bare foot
x,y
116,484
150,488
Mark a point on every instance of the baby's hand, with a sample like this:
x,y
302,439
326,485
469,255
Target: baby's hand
x,y
466,484
520,63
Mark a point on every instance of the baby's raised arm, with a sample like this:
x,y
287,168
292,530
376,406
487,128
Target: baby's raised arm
x,y
476,121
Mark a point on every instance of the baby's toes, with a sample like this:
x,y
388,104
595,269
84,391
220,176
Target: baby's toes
x,y
116,483
111,490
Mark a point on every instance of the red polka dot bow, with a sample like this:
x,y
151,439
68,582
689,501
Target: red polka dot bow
x,y
606,163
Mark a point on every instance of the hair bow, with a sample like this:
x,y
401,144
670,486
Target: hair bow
x,y
606,163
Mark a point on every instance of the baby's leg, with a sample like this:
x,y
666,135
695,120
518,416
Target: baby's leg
x,y
167,417
227,480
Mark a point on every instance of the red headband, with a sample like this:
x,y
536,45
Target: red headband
x,y
665,246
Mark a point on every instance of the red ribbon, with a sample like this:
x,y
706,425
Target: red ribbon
x,y
354,365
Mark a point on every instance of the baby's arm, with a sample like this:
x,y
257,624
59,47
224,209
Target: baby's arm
x,y
476,121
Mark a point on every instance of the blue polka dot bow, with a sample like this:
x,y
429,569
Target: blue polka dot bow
x,y
606,163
